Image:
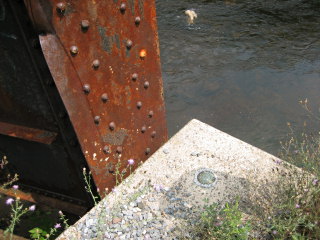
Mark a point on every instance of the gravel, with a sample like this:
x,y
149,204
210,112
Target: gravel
x,y
151,215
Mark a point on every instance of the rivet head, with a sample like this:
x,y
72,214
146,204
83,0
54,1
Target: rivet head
x,y
139,105
74,50
134,76
97,119
148,150
146,84
143,129
96,63
123,7
61,7
143,53
150,114
112,126
86,88
104,97
137,20
119,149
129,43
153,134
106,149
85,24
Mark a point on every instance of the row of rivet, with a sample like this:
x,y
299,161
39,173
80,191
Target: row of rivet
x,y
61,7
123,7
106,150
134,78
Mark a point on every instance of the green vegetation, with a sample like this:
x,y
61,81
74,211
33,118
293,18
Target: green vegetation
x,y
296,213
226,223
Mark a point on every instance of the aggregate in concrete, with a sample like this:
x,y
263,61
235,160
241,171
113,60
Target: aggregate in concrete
x,y
162,198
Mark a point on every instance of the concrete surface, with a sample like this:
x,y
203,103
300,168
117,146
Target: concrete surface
x,y
241,170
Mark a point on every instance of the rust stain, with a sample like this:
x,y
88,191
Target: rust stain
x,y
26,133
115,138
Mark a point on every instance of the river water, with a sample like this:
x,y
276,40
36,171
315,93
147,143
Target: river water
x,y
242,66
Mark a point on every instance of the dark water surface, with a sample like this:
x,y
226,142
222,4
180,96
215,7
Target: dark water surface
x,y
242,67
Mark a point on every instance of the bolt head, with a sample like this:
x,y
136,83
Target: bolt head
x,y
97,119
86,88
129,44
85,24
123,7
139,105
61,7
104,97
74,50
96,63
143,129
150,114
153,134
146,84
148,150
106,149
134,76
137,20
112,126
119,149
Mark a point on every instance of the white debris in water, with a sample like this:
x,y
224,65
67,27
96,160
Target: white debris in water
x,y
191,15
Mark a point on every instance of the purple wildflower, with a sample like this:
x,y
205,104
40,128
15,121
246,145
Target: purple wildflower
x,y
278,161
157,187
32,208
315,182
218,224
131,161
58,225
297,206
16,187
274,232
60,213
9,201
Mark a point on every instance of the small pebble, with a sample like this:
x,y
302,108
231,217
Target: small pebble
x,y
116,220
165,151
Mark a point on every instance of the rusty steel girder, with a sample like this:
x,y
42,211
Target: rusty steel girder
x,y
103,57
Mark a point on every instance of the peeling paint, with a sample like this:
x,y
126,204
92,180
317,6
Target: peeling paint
x,y
115,138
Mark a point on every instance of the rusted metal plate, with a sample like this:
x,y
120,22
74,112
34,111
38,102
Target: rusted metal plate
x,y
104,58
45,200
30,134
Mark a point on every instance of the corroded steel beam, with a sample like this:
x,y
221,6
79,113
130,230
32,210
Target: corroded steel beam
x,y
40,199
104,58
84,72
29,134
